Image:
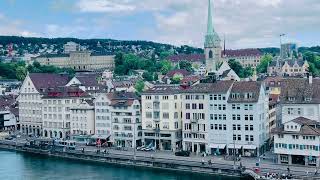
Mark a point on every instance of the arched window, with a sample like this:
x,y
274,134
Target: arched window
x,y
210,54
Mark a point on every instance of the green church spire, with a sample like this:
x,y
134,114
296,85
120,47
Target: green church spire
x,y
209,24
211,39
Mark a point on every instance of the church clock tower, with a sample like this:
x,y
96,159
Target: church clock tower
x,y
212,45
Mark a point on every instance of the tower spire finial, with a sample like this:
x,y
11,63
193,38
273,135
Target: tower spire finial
x,y
209,25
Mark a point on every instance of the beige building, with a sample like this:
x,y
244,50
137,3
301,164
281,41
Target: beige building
x,y
78,60
33,88
246,57
161,117
289,67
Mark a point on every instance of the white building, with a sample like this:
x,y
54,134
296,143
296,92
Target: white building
x,y
297,141
161,117
102,116
82,118
56,110
126,119
30,102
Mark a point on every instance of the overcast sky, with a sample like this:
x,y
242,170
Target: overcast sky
x,y
245,23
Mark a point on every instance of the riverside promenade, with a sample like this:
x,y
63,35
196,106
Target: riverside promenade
x,y
168,161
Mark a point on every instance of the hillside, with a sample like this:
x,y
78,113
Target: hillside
x,y
38,46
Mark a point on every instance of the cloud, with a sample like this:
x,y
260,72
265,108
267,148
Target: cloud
x,y
104,6
14,27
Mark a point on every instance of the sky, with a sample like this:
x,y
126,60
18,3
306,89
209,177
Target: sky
x,y
243,23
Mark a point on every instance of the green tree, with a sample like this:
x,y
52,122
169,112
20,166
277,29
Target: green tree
x,y
186,65
166,66
21,73
147,76
236,66
139,86
263,66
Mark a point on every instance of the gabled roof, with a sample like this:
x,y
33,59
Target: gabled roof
x,y
47,80
241,53
88,79
6,102
304,121
242,89
300,91
308,127
122,98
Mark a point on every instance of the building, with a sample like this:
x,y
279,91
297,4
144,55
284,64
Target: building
x,y
246,57
161,117
273,84
196,60
102,117
8,119
226,73
71,47
56,111
126,119
212,45
288,67
296,141
78,60
288,50
82,118
89,82
34,86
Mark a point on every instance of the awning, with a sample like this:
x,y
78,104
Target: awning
x,y
248,146
217,146
234,146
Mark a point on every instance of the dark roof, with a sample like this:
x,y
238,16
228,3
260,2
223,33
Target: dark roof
x,y
305,121
241,52
65,92
242,89
88,79
273,81
299,91
14,111
171,73
219,87
43,81
164,89
52,55
308,127
187,57
6,102
225,73
190,79
122,98
90,102
290,62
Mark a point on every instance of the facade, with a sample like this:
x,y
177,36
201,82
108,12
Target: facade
x,y
78,60
126,119
89,82
196,60
212,45
103,123
226,73
33,88
56,111
296,141
246,57
288,67
82,118
161,117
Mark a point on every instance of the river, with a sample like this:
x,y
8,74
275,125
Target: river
x,y
21,166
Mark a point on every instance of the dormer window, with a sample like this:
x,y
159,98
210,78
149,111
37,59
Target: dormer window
x,y
307,99
291,98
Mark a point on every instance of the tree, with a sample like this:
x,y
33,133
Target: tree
x,y
176,79
21,73
139,86
186,65
263,66
147,76
166,66
236,66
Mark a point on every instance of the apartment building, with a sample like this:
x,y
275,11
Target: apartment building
x,y
297,140
82,118
126,119
102,116
34,86
56,110
161,117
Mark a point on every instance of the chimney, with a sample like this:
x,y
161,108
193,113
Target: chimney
x,y
310,79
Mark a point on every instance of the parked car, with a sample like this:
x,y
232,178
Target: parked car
x,y
150,149
140,148
182,153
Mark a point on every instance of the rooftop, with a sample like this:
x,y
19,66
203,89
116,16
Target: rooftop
x,y
43,81
241,52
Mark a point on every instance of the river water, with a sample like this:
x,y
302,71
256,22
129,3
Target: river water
x,y
20,166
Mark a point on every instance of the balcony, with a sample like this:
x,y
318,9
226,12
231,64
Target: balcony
x,y
156,129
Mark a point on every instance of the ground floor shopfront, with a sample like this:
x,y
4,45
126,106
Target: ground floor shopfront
x,y
299,160
28,129
162,140
234,149
196,147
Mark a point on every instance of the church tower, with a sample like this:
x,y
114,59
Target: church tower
x,y
212,45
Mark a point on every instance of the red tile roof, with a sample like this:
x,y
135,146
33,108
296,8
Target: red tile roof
x,y
241,52
65,92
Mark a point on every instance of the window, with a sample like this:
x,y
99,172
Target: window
x,y
239,127
188,106
234,127
239,137
247,137
194,106
187,115
165,97
148,114
224,127
148,97
234,137
290,111
210,54
200,106
246,127
251,137
251,127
